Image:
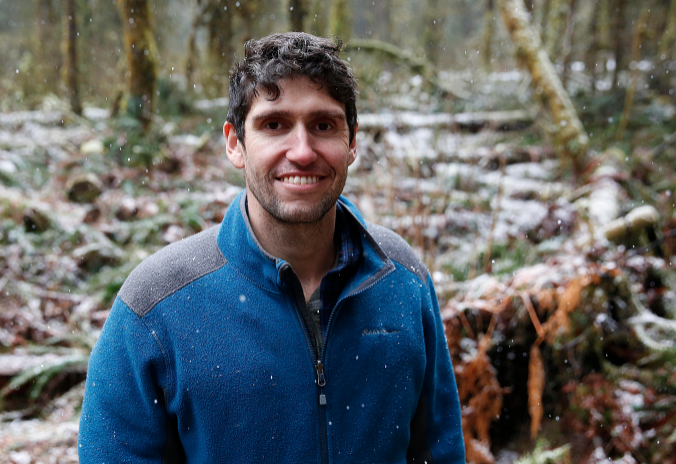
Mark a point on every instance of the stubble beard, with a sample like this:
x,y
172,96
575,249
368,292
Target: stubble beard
x,y
261,189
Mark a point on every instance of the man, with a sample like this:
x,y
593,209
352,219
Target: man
x,y
292,333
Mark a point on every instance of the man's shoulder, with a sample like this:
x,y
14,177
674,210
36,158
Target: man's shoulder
x,y
171,269
397,249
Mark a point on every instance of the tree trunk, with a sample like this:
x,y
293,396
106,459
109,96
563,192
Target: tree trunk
x,y
248,11
555,28
433,30
45,51
569,135
193,55
568,41
220,43
543,16
487,37
139,45
319,17
592,51
669,33
618,35
665,50
340,22
639,34
298,10
69,51
384,12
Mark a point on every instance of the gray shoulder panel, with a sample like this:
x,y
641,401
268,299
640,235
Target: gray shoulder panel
x,y
171,269
397,249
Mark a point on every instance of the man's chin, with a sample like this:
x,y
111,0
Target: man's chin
x,y
290,209
298,215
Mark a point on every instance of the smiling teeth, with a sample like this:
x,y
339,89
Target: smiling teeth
x,y
300,180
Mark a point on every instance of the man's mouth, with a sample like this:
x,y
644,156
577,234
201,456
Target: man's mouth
x,y
297,180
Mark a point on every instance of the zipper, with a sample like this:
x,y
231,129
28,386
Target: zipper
x,y
321,378
306,332
318,359
319,370
321,381
318,364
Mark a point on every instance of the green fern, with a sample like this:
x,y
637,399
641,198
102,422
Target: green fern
x,y
42,374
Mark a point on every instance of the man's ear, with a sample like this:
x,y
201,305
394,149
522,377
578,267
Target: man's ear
x,y
352,153
233,147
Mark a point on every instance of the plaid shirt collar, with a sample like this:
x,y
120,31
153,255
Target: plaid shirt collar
x,y
347,240
348,243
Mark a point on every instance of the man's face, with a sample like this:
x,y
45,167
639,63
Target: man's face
x,y
297,152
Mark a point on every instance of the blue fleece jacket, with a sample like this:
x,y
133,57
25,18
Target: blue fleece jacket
x,y
205,358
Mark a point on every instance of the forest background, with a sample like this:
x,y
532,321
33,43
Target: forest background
x,y
525,150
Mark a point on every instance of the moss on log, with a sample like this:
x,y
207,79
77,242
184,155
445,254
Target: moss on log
x,y
394,54
570,137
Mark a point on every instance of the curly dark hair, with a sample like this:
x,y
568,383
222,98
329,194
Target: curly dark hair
x,y
285,56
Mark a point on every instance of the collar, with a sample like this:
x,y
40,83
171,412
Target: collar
x,y
346,240
241,248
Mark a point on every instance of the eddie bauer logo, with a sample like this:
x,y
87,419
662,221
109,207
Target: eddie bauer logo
x,y
381,331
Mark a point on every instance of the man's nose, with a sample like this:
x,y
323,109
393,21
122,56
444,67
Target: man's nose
x,y
302,150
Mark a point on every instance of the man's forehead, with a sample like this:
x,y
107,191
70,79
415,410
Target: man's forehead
x,y
292,90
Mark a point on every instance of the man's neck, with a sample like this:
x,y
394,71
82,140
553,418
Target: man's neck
x,y
308,247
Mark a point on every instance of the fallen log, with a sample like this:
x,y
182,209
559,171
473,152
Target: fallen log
x,y
389,52
636,220
18,118
502,120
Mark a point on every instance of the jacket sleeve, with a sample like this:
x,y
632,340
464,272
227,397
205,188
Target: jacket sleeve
x,y
123,414
436,428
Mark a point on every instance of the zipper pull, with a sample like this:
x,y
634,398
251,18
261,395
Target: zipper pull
x,y
321,381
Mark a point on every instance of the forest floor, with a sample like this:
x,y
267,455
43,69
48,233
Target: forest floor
x,y
562,340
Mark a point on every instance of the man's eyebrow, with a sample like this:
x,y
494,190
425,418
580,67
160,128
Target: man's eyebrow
x,y
271,114
331,114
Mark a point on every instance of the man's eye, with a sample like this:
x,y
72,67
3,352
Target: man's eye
x,y
323,126
273,125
